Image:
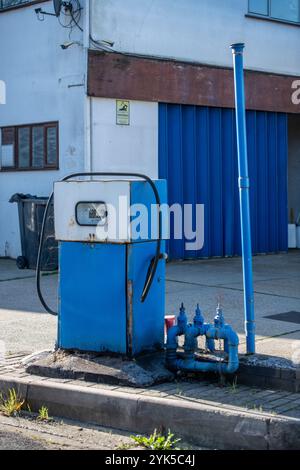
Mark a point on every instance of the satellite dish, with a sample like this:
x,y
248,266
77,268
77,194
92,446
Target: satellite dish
x,y
57,4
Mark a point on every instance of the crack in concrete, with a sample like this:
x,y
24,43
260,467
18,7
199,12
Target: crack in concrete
x,y
16,279
222,286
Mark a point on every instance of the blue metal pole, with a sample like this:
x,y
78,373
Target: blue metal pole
x,y
237,51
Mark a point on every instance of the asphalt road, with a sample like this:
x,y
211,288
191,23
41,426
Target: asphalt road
x,y
16,441
28,434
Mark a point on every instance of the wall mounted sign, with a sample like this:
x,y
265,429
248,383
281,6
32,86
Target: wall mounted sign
x,y
123,112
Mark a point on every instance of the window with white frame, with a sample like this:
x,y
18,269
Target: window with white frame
x,y
281,10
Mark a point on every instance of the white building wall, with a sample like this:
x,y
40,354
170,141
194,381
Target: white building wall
x,y
196,30
125,148
39,79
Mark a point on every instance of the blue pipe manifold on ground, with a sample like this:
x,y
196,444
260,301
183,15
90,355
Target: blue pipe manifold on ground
x,y
217,331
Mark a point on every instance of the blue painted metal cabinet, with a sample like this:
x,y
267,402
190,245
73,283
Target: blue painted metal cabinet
x,y
100,306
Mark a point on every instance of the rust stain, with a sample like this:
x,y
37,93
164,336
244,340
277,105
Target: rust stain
x,y
130,317
122,63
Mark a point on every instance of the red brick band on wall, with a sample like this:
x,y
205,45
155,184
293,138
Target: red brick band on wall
x,y
112,75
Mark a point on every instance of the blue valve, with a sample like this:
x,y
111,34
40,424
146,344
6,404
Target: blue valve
x,y
182,318
219,320
198,318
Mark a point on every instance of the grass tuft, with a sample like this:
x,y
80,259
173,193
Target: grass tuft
x,y
157,441
43,414
234,385
11,404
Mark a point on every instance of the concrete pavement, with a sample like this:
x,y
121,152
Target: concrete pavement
x,y
277,290
25,327
232,417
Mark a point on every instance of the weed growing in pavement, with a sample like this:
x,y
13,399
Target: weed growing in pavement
x,y
12,403
233,386
256,408
157,441
43,414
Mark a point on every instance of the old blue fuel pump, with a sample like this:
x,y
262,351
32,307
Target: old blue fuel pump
x,y
111,283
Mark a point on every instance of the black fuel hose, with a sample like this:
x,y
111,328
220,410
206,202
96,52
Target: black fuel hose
x,y
154,262
39,259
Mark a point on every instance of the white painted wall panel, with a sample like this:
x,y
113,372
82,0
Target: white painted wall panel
x,y
196,30
125,148
39,76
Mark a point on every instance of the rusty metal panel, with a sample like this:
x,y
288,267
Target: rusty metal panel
x,y
112,75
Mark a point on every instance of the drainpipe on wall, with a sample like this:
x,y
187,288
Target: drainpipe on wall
x,y
2,92
88,121
237,51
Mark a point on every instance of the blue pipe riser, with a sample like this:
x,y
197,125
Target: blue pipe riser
x,y
218,331
173,333
244,185
206,366
210,345
226,333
